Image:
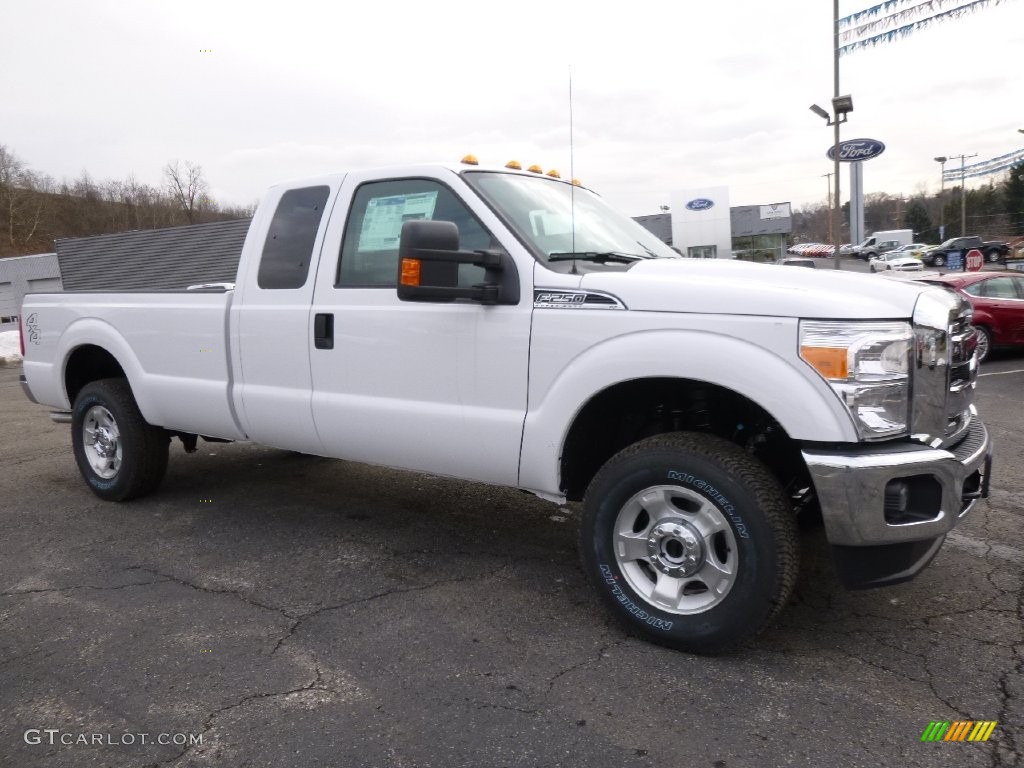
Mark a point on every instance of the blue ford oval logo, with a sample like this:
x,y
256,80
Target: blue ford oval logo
x,y
857,149
700,204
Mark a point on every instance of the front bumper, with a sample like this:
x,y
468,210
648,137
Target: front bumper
x,y
891,506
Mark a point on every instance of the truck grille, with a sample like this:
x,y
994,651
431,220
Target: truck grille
x,y
944,369
963,372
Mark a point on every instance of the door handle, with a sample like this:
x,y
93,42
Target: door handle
x,y
323,330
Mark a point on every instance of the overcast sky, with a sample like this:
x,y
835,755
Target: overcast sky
x,y
672,95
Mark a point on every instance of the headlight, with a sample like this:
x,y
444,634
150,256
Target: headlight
x,y
868,366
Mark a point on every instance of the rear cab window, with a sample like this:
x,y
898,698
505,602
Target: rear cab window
x,y
288,249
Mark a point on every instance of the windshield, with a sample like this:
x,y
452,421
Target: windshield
x,y
559,222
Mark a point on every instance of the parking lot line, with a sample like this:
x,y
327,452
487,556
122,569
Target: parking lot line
x,y
1001,373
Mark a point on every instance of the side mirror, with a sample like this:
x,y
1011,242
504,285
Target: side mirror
x,y
428,267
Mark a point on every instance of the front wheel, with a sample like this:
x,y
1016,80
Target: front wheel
x,y
992,256
939,261
690,540
119,454
984,340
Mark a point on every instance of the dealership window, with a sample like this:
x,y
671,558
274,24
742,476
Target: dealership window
x,y
702,251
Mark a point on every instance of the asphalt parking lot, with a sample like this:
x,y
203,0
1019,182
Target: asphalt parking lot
x,y
299,611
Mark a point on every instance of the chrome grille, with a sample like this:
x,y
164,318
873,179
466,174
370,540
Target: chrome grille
x,y
963,372
944,369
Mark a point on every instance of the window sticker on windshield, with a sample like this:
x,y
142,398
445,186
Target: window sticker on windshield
x,y
382,224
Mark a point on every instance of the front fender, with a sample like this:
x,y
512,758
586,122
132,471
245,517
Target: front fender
x,y
800,401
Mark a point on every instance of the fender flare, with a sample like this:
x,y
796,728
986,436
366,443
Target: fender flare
x,y
93,332
789,390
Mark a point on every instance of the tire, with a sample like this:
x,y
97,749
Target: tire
x,y
939,261
119,454
992,256
872,267
692,509
984,336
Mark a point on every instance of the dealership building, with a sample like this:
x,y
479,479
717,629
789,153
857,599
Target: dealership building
x,y
702,225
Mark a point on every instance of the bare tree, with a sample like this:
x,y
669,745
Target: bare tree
x,y
22,195
186,185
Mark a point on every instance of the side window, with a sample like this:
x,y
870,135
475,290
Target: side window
x,y
975,289
999,288
369,250
289,246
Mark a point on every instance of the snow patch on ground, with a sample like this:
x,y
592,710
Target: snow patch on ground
x,y
10,347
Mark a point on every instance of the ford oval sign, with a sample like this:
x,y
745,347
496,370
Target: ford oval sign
x,y
700,204
857,149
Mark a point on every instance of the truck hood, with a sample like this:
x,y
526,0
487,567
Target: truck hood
x,y
717,286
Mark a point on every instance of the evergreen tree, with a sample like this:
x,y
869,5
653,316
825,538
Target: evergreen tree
x,y
917,219
1013,198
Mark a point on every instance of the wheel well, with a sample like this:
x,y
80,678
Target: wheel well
x,y
87,364
631,411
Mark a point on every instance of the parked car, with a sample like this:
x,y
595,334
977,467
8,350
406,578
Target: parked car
x,y
914,249
896,262
939,255
998,302
882,241
797,261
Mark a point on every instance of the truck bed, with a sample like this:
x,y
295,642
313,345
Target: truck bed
x,y
172,345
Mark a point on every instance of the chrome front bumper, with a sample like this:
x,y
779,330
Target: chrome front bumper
x,y
939,488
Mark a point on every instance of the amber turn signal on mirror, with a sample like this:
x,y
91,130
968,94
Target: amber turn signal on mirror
x,y
410,271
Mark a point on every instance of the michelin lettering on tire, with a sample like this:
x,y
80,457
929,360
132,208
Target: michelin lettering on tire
x,y
716,496
639,613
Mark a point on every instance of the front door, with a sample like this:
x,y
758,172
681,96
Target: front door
x,y
435,387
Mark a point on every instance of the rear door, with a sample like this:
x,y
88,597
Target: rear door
x,y
436,387
270,316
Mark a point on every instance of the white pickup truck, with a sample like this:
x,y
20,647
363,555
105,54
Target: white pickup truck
x,y
511,328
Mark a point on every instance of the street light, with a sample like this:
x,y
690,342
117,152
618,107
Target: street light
x,y
841,107
942,199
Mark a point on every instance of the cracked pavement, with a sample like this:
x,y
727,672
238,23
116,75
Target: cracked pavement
x,y
324,613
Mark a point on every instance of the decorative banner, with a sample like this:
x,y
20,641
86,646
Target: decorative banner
x,y
986,167
863,32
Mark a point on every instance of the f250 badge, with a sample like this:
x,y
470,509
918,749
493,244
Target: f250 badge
x,y
559,299
32,329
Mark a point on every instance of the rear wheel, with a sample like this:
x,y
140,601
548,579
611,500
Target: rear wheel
x,y
992,256
690,541
119,454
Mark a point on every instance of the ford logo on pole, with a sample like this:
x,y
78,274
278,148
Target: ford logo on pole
x,y
852,150
700,204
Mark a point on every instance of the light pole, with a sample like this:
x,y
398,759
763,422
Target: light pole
x,y
942,199
828,201
841,107
963,196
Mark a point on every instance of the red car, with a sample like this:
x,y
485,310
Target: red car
x,y
998,301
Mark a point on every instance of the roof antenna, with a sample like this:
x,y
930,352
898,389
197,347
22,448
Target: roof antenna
x,y
572,179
